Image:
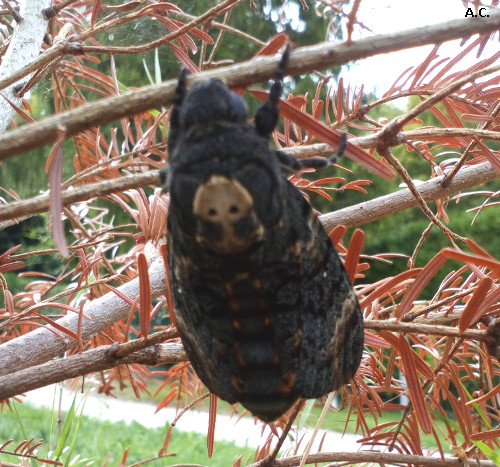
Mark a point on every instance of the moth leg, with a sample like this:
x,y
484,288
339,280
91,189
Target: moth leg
x,y
180,93
163,178
293,165
268,114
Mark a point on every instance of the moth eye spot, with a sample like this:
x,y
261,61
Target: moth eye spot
x,y
225,215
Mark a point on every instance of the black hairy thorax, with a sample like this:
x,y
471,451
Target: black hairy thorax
x,y
264,307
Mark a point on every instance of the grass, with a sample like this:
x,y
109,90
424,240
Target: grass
x,y
100,441
96,440
334,421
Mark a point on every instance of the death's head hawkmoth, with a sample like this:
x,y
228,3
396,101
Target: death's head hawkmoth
x,y
264,307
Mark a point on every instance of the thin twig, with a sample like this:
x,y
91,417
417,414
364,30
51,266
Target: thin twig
x,y
134,49
58,50
189,407
293,415
449,176
385,152
12,11
381,458
224,27
430,329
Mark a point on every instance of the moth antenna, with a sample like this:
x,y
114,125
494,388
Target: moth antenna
x,y
340,151
164,178
290,164
268,114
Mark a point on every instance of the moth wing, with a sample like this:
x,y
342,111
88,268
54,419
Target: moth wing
x,y
195,327
330,316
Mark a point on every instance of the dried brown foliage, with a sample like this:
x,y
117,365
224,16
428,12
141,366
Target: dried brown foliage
x,y
443,351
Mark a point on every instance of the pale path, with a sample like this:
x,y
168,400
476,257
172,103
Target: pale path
x,y
243,432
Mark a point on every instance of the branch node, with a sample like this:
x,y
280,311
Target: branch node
x,y
49,13
390,136
73,48
112,352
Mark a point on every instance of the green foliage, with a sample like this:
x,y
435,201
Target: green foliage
x,y
94,440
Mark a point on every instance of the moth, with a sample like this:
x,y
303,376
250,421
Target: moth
x,y
264,307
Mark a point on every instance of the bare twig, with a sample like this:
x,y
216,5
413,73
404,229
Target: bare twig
x,y
217,10
302,60
13,12
98,359
385,152
293,415
58,50
92,190
418,328
381,458
224,27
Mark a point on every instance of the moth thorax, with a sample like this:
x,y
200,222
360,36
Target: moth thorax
x,y
226,219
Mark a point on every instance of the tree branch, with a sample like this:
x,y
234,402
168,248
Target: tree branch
x,y
46,343
41,203
215,11
432,329
380,458
384,206
305,59
98,359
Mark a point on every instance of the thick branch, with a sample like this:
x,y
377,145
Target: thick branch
x,y
305,59
431,190
380,458
46,343
24,46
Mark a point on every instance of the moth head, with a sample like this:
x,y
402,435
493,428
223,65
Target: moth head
x,y
211,101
